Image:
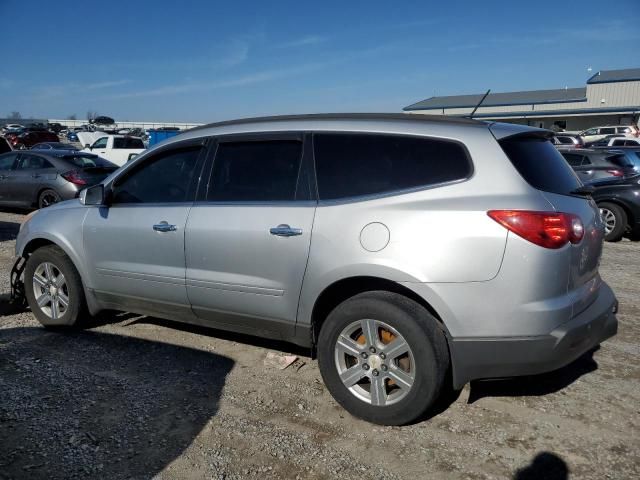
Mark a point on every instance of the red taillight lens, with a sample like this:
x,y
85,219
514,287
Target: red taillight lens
x,y
547,229
615,173
73,177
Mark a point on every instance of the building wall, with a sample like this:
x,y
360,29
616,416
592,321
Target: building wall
x,y
617,94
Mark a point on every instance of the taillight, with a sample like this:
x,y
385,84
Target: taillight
x,y
73,177
547,229
615,173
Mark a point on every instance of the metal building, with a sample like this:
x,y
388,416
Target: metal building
x,y
611,97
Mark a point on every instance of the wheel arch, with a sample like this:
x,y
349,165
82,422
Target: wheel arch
x,y
35,243
340,290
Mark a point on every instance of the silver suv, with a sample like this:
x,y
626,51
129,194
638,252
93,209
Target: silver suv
x,y
403,249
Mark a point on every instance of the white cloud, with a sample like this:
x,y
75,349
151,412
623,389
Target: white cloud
x,y
304,41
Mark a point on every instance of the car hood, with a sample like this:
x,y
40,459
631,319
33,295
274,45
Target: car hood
x,y
88,137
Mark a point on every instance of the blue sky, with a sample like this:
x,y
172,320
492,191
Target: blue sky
x,y
200,61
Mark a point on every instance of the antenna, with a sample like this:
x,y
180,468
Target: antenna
x,y
479,103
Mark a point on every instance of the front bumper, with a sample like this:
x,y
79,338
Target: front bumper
x,y
476,358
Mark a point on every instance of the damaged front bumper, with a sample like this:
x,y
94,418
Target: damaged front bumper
x,y
17,284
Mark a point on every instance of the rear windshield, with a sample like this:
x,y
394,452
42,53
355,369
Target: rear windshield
x,y
127,142
88,161
540,164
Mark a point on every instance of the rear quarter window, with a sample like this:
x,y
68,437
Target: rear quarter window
x,y
354,164
540,164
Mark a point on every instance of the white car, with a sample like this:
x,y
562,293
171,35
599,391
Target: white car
x,y
118,149
596,133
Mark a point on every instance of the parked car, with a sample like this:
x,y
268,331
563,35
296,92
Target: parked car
x,y
616,141
53,146
11,127
619,203
596,133
374,239
574,141
31,136
39,179
592,164
116,148
55,127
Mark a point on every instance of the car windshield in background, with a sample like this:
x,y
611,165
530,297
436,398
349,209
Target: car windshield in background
x,y
540,164
127,142
89,161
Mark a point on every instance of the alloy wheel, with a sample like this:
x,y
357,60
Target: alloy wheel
x,y
374,362
609,219
50,290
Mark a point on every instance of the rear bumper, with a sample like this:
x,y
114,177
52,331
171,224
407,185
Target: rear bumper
x,y
476,358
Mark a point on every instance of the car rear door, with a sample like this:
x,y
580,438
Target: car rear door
x,y
30,173
136,244
248,238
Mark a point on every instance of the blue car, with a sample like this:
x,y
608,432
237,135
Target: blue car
x,y
71,136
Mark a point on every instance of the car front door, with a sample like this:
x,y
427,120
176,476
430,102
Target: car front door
x,y
248,236
30,173
136,243
99,147
7,162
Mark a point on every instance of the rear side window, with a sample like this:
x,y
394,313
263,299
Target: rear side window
x,y
624,130
540,164
619,160
88,161
351,165
127,142
607,131
260,171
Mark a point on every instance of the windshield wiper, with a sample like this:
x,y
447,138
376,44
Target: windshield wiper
x,y
584,190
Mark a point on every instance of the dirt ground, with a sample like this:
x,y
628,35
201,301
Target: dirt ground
x,y
137,397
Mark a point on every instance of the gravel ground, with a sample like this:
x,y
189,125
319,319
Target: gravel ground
x,y
137,397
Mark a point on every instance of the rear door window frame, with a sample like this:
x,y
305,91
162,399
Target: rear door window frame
x,y
395,192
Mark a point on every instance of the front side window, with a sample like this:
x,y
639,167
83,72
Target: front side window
x,y
100,143
165,178
33,162
591,131
255,171
353,164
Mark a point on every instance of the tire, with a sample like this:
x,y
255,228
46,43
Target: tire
x,y
615,220
48,197
409,384
48,263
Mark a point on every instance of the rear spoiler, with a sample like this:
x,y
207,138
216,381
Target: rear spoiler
x,y
506,130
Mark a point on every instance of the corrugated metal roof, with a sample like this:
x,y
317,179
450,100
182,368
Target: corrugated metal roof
x,y
610,76
503,99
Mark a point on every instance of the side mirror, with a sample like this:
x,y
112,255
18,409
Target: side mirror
x,y
86,145
93,195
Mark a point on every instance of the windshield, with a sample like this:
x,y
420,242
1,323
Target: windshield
x,y
88,161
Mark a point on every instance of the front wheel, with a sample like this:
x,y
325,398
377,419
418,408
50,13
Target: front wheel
x,y
53,287
615,221
48,197
383,357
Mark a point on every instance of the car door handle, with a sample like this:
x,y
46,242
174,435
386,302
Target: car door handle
x,y
164,227
284,230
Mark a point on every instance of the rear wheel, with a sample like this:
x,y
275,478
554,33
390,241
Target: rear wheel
x,y
48,197
615,221
53,287
383,357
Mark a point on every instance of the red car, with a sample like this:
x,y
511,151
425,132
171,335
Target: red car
x,y
30,137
